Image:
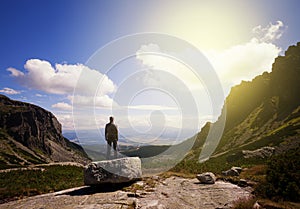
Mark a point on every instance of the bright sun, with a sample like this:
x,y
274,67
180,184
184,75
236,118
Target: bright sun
x,y
207,27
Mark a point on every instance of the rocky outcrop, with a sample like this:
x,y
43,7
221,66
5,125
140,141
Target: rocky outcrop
x,y
263,152
113,171
36,131
29,124
206,178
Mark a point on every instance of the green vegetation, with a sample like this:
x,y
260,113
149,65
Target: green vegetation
x,y
282,177
12,156
20,183
76,148
219,163
256,173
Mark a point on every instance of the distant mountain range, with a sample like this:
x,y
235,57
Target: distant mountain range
x,y
129,137
31,135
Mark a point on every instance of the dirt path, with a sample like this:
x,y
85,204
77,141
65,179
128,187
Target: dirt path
x,y
173,192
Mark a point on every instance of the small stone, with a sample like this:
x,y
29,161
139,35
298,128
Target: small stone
x,y
242,183
230,172
256,205
238,169
165,194
206,178
140,183
133,202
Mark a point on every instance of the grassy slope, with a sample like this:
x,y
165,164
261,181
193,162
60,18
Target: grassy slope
x,y
16,184
13,154
282,135
263,112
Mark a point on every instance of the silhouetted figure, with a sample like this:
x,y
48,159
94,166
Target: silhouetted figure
x,y
111,136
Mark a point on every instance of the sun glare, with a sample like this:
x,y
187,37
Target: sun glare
x,y
207,28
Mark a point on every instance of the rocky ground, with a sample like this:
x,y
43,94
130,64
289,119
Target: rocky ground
x,y
151,193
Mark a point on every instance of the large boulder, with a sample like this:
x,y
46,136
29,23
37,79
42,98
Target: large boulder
x,y
206,178
113,171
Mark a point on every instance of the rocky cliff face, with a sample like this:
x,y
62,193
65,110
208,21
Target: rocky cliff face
x,y
30,134
259,113
267,108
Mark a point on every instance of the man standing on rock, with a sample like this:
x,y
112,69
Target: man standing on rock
x,y
111,136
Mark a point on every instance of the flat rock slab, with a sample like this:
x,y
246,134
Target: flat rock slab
x,y
76,198
113,171
173,192
181,193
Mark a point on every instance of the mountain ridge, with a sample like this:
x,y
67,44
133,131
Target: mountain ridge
x,y
262,112
30,134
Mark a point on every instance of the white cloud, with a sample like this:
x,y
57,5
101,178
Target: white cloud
x,y
243,62
151,107
9,91
91,101
234,64
93,89
80,121
15,72
183,81
247,60
66,120
152,56
269,33
62,106
237,63
61,79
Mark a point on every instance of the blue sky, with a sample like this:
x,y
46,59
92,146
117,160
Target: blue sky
x,y
42,34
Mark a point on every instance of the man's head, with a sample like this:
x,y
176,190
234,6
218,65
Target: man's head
x,y
111,119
